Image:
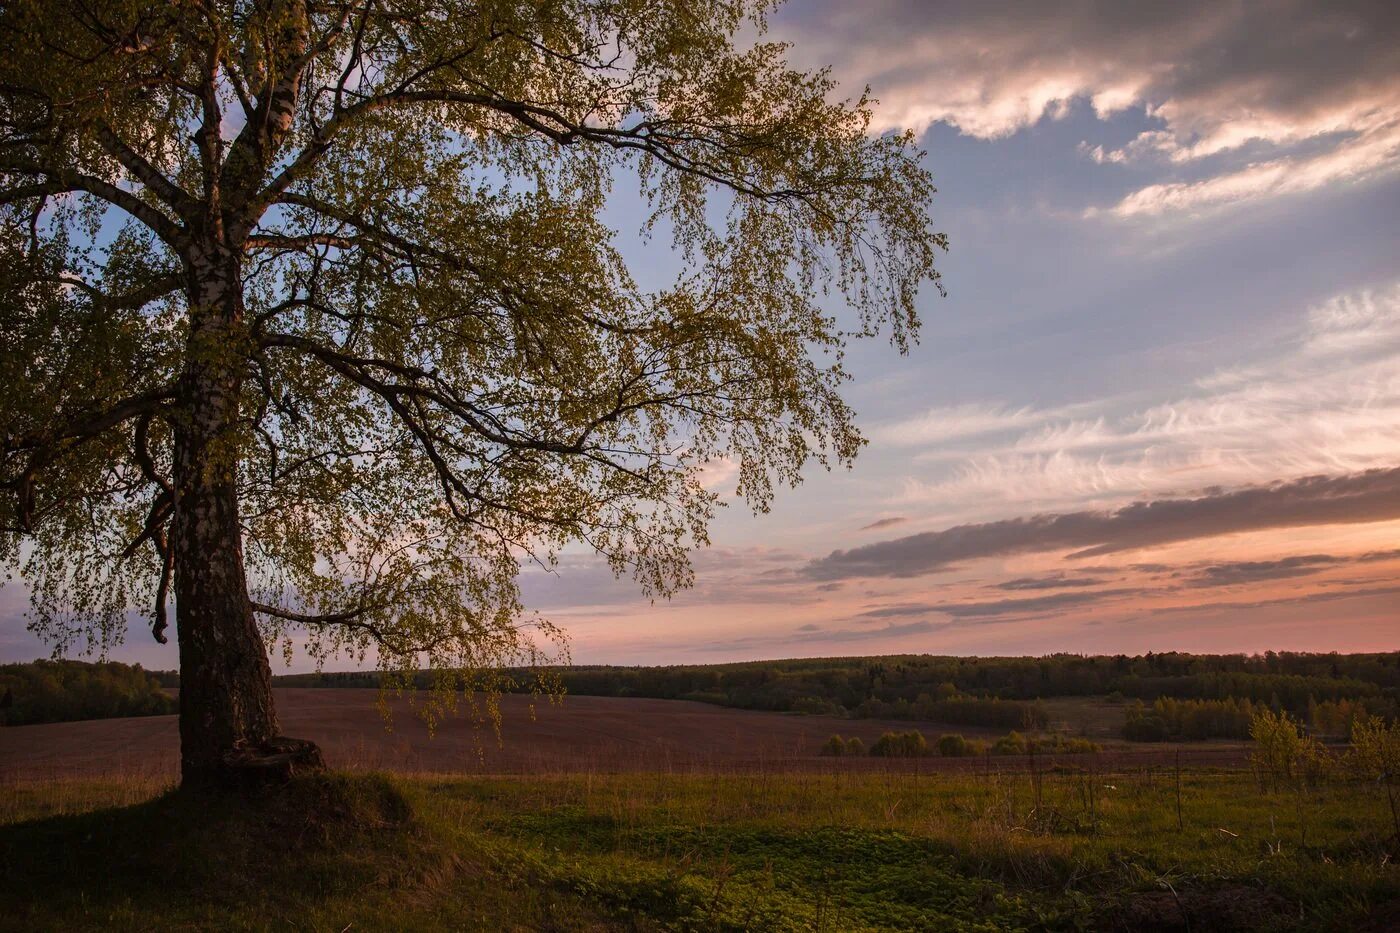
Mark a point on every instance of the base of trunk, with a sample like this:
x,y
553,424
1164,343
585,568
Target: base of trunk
x,y
275,762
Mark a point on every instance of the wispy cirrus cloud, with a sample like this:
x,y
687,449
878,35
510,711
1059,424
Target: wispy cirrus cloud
x,y
955,422
1326,401
1367,151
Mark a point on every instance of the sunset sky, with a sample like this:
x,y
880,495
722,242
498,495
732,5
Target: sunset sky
x,y
1159,408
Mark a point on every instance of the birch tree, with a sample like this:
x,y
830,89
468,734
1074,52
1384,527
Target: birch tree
x,y
315,329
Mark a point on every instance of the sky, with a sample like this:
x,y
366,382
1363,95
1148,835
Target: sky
x,y
1159,408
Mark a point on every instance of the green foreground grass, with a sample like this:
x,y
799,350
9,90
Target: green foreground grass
x,y
833,851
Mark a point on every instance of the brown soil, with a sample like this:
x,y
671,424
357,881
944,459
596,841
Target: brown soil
x,y
1232,907
582,734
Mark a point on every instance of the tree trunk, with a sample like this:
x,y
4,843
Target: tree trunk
x,y
228,727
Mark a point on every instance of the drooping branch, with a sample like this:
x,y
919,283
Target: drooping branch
x,y
372,232
416,382
651,137
37,449
159,620
141,447
155,531
354,618
86,425
69,181
161,509
330,618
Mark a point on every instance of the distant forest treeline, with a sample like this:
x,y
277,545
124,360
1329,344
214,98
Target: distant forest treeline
x,y
62,691
1182,696
993,692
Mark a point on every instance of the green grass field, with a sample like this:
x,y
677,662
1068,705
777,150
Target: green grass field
x,y
774,851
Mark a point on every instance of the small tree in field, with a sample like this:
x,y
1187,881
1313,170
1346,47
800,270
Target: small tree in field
x,y
834,747
1013,743
1282,754
1375,755
312,324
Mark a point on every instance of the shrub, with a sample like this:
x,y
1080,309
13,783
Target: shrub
x,y
1013,743
854,746
1375,755
815,706
953,746
1375,749
834,747
1145,728
1060,745
900,745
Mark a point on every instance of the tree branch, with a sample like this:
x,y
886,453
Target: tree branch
x,y
297,243
169,192
84,427
67,181
136,298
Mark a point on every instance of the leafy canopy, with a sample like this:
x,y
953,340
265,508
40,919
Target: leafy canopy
x,y
448,367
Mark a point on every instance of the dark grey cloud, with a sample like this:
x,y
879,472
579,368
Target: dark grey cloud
x,y
1323,596
1216,77
1241,56
884,523
980,609
1002,607
895,612
815,635
1370,496
885,631
1253,571
1052,582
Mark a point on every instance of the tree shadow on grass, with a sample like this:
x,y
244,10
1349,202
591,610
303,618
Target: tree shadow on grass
x,y
186,858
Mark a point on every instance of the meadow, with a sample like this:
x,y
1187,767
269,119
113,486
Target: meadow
x,y
1060,848
628,813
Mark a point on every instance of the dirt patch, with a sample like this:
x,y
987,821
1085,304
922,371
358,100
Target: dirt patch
x,y
582,734
1234,907
1385,918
